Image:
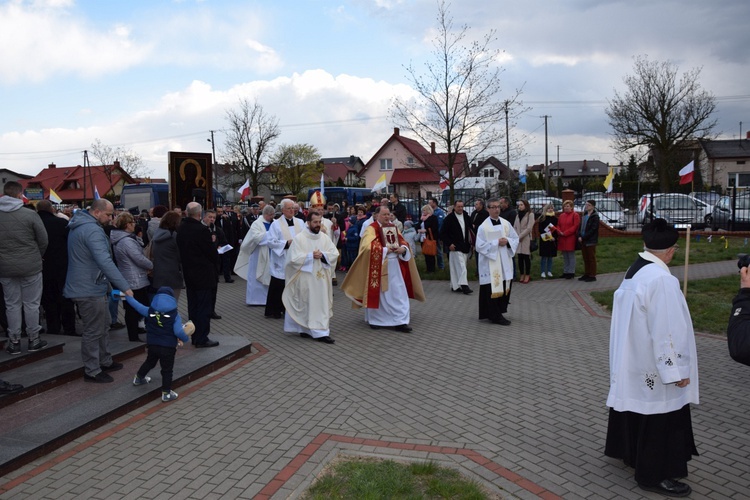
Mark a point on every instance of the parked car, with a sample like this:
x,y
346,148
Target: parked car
x,y
537,204
534,193
737,219
611,212
678,209
708,197
706,209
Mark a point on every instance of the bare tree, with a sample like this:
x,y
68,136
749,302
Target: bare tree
x,y
458,103
130,162
250,138
297,166
661,113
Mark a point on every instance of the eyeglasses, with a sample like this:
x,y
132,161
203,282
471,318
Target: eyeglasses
x,y
493,207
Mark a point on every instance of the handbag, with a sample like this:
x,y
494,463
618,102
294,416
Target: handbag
x,y
534,245
429,246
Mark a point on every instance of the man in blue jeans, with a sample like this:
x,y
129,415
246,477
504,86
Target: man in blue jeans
x,y
90,270
440,214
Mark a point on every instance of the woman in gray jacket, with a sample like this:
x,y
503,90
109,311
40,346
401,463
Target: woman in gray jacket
x,y
166,255
134,266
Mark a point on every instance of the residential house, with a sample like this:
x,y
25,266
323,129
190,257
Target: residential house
x,y
410,169
69,182
725,162
492,168
343,170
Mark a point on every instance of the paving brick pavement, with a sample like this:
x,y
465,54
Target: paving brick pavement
x,y
521,407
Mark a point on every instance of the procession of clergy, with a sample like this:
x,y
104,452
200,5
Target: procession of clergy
x,y
290,265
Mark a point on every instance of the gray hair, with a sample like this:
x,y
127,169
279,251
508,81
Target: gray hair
x,y
268,209
285,203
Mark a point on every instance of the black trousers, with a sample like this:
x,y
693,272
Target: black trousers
x,y
200,308
131,315
274,304
59,311
490,308
165,356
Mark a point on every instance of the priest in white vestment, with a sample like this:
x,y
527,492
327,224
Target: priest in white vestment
x,y
496,244
308,293
383,279
653,369
254,260
280,237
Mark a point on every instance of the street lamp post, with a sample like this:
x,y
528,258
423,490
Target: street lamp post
x,y
213,163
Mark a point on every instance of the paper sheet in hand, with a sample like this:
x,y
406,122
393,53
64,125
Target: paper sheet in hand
x,y
224,249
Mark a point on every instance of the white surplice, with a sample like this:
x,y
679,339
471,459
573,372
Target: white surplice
x,y
491,254
651,344
253,263
278,235
394,308
308,293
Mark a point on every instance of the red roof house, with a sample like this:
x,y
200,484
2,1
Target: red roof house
x,y
68,182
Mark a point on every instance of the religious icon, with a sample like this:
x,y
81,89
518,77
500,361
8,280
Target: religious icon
x,y
390,236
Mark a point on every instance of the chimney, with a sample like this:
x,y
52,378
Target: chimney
x,y
116,164
52,165
395,131
432,147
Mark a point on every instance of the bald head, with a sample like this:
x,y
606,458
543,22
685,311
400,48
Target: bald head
x,y
194,210
45,206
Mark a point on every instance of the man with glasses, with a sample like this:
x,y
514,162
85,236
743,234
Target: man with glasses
x,y
653,369
280,237
496,244
90,270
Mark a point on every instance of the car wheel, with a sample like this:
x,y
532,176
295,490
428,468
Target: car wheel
x,y
708,219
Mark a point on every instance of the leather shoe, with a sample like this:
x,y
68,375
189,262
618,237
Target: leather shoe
x,y
375,327
466,289
501,321
208,343
589,279
456,290
215,316
326,340
403,328
113,367
583,278
305,335
230,280
669,488
99,378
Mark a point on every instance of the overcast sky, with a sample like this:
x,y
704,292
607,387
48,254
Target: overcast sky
x,y
156,75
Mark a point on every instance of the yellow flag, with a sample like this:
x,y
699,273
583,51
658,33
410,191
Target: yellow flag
x,y
381,184
608,180
53,196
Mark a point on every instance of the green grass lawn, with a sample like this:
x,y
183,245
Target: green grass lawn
x,y
375,479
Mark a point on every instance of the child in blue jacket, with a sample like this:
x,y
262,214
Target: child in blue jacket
x,y
164,332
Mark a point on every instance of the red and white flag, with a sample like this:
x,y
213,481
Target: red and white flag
x,y
686,173
444,183
244,190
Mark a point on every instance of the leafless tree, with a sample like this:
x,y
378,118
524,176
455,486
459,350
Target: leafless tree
x,y
250,138
458,104
662,113
297,166
130,162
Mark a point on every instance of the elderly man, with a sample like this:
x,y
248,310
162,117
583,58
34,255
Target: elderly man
x,y
280,237
456,236
24,241
496,243
198,256
308,294
653,367
253,263
90,270
384,276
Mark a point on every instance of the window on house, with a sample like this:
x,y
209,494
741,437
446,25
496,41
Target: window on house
x,y
410,160
386,164
740,162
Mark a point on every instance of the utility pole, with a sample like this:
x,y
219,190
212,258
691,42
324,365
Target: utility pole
x,y
507,136
213,165
546,157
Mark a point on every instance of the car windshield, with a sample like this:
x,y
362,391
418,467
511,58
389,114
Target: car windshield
x,y
608,206
674,203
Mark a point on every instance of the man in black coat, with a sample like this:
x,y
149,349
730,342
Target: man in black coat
x,y
479,215
198,256
398,209
225,227
59,311
456,235
589,238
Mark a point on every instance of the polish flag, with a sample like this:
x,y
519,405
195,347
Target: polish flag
x,y
686,173
444,183
244,190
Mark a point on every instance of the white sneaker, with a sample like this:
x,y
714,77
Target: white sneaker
x,y
141,381
168,396
549,275
544,275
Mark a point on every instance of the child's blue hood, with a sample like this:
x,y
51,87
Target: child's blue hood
x,y
163,302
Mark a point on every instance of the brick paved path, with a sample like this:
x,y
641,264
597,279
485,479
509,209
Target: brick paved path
x,y
522,407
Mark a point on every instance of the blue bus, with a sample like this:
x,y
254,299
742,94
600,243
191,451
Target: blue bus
x,y
352,196
145,196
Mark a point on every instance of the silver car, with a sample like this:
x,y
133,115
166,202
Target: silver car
x,y
678,209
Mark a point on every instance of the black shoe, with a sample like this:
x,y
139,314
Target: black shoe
x,y
305,335
208,343
501,321
457,290
403,328
334,282
141,330
669,488
589,279
100,378
116,326
326,340
8,388
466,290
230,280
569,276
14,348
583,278
215,316
113,367
375,327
